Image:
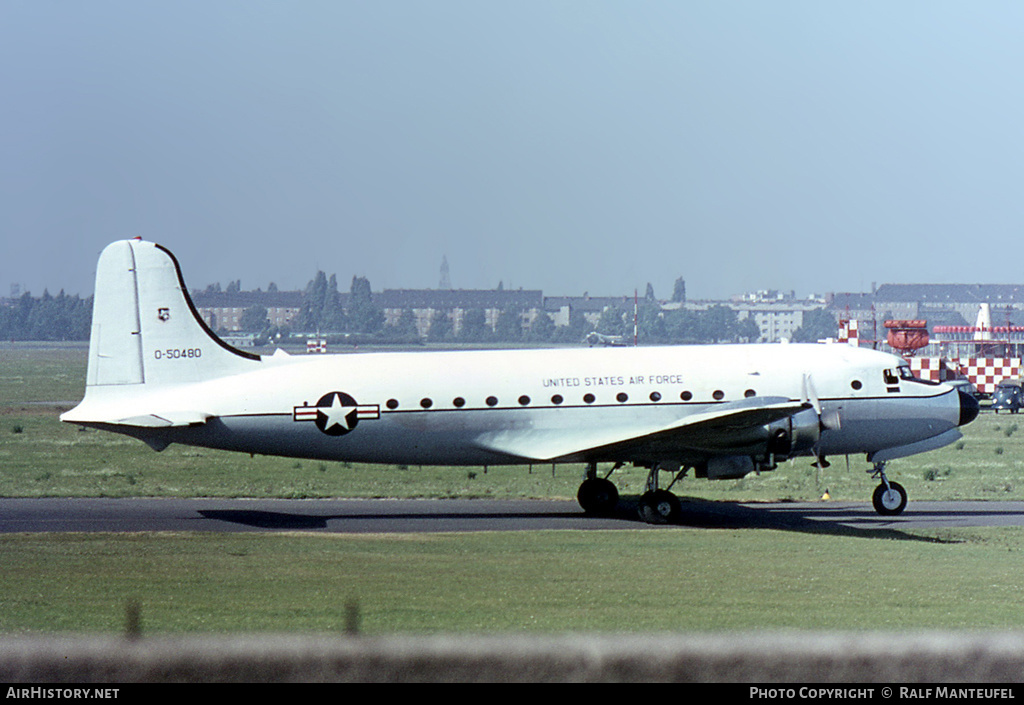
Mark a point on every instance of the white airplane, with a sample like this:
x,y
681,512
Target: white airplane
x,y
157,373
594,338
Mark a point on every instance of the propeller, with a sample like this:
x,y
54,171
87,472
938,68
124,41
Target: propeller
x,y
827,420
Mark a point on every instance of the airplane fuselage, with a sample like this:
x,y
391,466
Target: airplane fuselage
x,y
156,372
442,407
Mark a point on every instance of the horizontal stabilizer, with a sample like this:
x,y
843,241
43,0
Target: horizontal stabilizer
x,y
172,419
696,430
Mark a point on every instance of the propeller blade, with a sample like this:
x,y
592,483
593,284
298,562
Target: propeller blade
x,y
826,419
809,395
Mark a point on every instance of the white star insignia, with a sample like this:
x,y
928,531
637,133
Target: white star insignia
x,y
337,414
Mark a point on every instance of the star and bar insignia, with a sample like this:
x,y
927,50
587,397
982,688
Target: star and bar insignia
x,y
336,413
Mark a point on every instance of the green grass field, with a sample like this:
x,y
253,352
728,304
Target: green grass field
x,y
671,579
617,581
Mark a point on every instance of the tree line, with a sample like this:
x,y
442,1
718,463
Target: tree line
x,y
360,319
324,312
64,317
47,317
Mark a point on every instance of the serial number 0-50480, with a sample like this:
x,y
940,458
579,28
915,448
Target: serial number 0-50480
x,y
177,353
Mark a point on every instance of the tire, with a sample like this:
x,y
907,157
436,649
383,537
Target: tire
x,y
889,502
598,497
660,507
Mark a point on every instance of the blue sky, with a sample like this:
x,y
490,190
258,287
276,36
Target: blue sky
x,y
569,146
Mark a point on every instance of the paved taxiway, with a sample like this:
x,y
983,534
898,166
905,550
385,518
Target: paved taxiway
x,y
405,516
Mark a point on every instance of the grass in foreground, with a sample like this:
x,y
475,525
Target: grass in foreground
x,y
671,580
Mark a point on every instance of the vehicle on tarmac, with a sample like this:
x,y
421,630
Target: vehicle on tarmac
x,y
1009,396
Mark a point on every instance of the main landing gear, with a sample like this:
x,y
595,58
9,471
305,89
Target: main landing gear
x,y
889,498
598,496
660,506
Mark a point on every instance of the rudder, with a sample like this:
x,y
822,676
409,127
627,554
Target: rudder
x,y
115,353
146,330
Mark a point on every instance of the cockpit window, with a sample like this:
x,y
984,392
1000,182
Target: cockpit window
x,y
903,372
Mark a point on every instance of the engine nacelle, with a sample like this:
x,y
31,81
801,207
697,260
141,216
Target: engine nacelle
x,y
765,447
728,467
795,435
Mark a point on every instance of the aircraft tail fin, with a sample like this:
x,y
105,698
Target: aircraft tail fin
x,y
145,328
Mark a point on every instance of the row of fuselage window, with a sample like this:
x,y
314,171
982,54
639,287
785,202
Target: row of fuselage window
x,y
558,399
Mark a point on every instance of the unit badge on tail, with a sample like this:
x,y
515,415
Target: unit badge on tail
x,y
336,413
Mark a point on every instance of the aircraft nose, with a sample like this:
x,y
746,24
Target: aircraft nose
x,y
968,408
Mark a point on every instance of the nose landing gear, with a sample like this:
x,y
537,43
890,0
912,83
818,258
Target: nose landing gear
x,y
889,498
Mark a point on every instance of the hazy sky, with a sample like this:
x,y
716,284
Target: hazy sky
x,y
569,146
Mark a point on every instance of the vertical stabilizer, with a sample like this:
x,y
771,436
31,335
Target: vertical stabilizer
x,y
115,345
146,329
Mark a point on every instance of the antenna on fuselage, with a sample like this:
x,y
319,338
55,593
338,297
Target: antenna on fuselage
x,y
636,314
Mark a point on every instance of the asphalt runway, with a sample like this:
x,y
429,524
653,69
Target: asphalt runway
x,y
384,516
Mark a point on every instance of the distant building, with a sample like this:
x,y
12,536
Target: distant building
x,y
446,277
223,310
560,308
425,304
938,304
777,314
776,321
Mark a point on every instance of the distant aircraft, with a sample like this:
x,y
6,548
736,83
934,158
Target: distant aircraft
x,y
157,373
595,338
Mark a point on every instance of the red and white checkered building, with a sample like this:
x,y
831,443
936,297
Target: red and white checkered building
x,y
983,372
848,332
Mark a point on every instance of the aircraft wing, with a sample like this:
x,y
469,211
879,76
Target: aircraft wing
x,y
719,429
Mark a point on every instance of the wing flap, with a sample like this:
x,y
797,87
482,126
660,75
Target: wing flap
x,y
714,428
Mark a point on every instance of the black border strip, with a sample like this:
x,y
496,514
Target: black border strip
x,y
195,312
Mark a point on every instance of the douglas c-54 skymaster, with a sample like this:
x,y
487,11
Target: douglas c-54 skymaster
x,y
157,373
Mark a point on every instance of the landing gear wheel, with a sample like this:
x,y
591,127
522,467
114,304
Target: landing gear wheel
x,y
598,496
890,500
660,507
